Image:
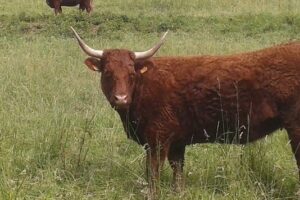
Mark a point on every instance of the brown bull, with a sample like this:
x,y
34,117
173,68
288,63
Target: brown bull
x,y
83,4
166,103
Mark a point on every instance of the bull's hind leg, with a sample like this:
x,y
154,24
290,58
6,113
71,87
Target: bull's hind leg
x,y
176,160
294,135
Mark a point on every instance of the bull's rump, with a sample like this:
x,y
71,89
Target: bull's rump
x,y
64,3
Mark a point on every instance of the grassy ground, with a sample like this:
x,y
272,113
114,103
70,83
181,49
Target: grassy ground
x,y
59,138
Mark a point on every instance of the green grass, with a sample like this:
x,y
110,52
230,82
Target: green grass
x,y
59,138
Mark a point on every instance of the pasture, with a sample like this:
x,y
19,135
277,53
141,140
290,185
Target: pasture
x,y
60,139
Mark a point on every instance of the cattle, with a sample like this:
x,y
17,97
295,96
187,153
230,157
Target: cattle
x,y
83,4
167,103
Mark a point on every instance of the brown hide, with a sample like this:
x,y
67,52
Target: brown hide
x,y
83,4
213,98
176,101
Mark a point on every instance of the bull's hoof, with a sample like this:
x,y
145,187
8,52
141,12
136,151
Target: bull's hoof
x,y
178,184
149,194
178,188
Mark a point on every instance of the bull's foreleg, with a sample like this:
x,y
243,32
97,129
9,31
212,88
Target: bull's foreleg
x,y
155,160
176,160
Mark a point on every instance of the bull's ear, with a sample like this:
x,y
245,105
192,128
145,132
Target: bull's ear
x,y
143,66
93,64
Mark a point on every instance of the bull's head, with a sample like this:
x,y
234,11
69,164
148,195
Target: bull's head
x,y
118,70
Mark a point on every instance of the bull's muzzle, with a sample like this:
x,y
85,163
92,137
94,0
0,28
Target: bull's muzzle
x,y
121,101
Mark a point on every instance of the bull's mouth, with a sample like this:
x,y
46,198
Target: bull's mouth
x,y
121,105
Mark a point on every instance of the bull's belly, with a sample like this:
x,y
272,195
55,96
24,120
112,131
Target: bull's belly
x,y
237,134
227,138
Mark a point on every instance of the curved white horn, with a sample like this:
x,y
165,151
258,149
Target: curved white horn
x,y
88,50
152,51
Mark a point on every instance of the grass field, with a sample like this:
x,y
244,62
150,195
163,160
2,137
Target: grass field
x,y
59,138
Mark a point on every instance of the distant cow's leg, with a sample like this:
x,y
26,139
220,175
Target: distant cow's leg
x,y
57,7
88,5
176,160
82,6
85,5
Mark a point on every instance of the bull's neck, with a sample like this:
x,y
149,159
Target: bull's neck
x,y
124,112
126,115
131,124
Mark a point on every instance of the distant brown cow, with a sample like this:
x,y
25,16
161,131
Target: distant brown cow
x,y
166,103
83,4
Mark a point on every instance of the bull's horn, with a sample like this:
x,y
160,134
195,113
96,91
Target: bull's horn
x,y
152,51
88,50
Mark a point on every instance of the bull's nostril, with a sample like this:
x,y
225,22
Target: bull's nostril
x,y
120,97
